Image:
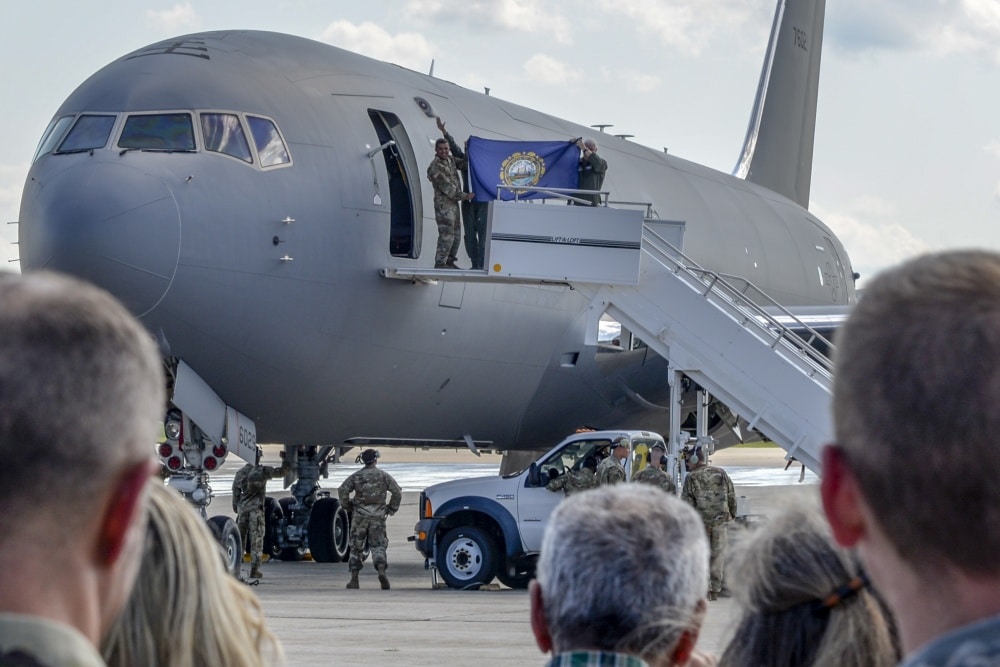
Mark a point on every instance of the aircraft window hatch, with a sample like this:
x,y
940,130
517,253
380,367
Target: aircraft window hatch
x,y
89,132
270,146
53,135
158,132
224,134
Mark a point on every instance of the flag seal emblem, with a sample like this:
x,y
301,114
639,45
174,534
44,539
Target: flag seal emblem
x,y
522,169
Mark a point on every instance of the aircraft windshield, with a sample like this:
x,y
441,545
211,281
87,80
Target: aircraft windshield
x,y
158,132
224,134
53,135
270,146
88,133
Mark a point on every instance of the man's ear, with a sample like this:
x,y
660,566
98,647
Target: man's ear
x,y
539,626
125,504
682,650
842,498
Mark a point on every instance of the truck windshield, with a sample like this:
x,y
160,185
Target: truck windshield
x,y
571,456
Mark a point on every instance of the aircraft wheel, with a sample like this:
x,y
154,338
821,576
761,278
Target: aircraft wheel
x,y
328,531
466,557
272,525
228,536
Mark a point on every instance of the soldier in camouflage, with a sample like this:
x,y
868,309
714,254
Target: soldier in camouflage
x,y
575,481
249,489
611,470
711,492
653,474
443,175
368,513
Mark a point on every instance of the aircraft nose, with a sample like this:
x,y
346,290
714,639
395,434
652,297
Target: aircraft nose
x,y
111,224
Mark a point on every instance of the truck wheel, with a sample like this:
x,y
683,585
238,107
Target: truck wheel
x,y
272,527
518,581
466,557
327,531
228,536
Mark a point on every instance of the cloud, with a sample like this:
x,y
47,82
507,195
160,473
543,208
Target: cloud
x,y
938,27
689,27
492,15
545,69
872,236
177,19
639,82
408,49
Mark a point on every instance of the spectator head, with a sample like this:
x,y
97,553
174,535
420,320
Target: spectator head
x,y
186,609
588,595
81,391
916,389
804,601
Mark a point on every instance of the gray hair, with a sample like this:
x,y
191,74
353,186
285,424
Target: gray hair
x,y
622,568
590,144
916,389
81,388
781,574
185,608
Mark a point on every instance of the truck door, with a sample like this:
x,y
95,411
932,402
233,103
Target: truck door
x,y
536,503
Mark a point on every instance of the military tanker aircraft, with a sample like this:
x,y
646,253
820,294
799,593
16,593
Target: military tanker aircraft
x,y
244,192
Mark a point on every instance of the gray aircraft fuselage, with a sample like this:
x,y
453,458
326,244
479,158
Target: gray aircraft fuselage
x,y
265,280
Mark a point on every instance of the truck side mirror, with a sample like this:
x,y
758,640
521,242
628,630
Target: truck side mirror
x,y
534,476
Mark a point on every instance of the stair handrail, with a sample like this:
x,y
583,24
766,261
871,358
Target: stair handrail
x,y
719,285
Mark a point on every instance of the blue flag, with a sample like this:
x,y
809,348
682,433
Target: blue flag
x,y
543,164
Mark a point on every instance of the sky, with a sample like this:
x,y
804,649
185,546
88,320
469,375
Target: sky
x,y
907,152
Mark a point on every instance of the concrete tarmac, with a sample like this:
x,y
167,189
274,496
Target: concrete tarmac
x,y
319,622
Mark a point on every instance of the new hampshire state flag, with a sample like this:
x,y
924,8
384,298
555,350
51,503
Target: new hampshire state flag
x,y
543,164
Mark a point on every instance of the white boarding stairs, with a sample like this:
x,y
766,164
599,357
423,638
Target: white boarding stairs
x,y
711,331
708,326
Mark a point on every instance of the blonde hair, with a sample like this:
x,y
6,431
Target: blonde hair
x,y
186,610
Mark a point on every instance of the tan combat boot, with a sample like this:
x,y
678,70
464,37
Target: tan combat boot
x,y
382,579
353,583
255,573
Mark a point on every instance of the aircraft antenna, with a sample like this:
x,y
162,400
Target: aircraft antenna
x,y
431,71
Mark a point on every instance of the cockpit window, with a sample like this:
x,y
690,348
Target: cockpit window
x,y
158,132
88,132
224,134
53,135
270,146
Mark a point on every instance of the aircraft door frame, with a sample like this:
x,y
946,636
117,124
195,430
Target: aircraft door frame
x,y
833,275
405,203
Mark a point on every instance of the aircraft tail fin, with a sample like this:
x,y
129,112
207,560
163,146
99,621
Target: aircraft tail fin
x,y
778,149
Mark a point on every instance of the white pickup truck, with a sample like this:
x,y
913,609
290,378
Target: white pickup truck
x,y
471,530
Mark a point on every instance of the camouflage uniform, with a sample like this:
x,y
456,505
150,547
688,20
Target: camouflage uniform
x,y
443,175
369,513
711,492
610,471
249,488
656,477
573,481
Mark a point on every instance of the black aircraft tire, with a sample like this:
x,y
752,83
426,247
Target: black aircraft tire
x,y
272,524
466,557
322,530
341,534
228,536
